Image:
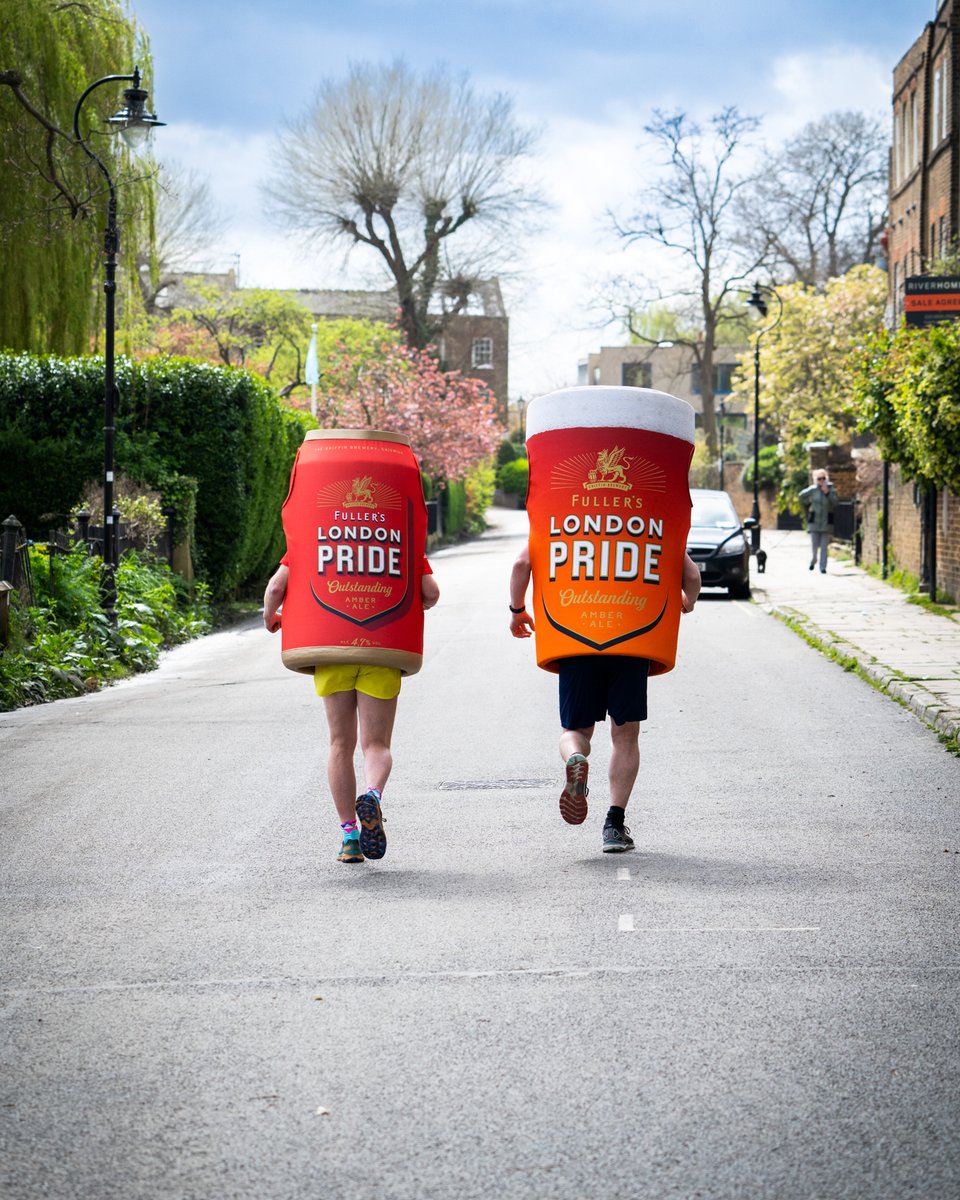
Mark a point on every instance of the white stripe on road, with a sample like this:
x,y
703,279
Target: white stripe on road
x,y
623,872
627,926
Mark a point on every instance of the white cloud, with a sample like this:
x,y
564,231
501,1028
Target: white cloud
x,y
810,85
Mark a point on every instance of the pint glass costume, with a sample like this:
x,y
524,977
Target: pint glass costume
x,y
609,508
356,527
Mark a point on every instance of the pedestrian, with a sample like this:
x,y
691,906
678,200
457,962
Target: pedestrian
x,y
821,500
590,687
358,700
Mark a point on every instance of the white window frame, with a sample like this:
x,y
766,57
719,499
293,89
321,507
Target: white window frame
x,y
481,354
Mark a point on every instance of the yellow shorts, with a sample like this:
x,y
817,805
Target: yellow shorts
x,y
383,683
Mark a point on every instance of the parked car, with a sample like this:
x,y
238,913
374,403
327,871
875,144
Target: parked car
x,y
718,543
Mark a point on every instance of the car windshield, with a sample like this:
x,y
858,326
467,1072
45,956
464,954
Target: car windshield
x,y
709,513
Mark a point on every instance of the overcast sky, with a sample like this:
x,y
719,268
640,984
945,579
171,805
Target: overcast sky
x,y
228,72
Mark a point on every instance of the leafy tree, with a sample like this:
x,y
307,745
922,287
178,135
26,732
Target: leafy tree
x,y
908,389
809,360
409,167
241,323
52,198
450,420
689,212
819,204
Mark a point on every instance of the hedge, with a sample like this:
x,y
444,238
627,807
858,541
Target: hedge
x,y
183,427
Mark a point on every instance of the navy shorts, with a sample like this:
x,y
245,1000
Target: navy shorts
x,y
594,685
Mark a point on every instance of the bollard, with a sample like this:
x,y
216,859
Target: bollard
x,y
8,555
83,528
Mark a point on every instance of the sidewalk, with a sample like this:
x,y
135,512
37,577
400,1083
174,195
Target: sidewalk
x,y
911,654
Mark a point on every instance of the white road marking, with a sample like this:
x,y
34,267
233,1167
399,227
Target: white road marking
x,y
626,923
724,928
623,872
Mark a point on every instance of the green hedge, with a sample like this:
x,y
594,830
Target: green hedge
x,y
181,426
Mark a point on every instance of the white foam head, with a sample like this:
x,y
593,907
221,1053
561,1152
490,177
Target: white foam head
x,y
598,407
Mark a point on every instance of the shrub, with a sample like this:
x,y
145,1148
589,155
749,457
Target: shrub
x,y
212,441
509,451
479,487
64,644
513,477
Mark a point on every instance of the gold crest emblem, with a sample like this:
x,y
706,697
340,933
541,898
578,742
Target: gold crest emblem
x,y
610,471
360,494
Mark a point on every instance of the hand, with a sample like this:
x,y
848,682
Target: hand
x,y
272,622
521,624
690,585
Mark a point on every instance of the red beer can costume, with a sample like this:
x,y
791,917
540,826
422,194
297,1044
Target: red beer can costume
x,y
356,527
609,508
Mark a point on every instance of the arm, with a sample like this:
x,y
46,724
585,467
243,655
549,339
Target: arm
x,y
521,623
690,585
273,598
429,591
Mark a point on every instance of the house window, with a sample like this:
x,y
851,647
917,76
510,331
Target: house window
x,y
482,354
636,374
722,379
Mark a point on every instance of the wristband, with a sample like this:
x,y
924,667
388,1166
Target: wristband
x,y
517,611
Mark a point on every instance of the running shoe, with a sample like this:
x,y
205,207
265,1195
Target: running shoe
x,y
373,839
573,798
616,839
350,851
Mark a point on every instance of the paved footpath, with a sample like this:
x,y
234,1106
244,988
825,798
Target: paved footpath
x,y
908,652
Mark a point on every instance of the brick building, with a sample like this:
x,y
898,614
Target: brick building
x,y
924,225
925,155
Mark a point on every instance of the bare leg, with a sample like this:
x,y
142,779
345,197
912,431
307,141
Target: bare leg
x,y
575,741
341,710
624,761
376,729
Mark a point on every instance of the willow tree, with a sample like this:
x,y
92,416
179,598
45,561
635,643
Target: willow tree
x,y
52,198
422,170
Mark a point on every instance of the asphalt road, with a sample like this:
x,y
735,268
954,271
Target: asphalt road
x,y
198,1001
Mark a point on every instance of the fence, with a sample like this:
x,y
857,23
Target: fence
x,y
16,573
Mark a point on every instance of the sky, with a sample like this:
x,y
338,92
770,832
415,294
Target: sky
x,y
228,73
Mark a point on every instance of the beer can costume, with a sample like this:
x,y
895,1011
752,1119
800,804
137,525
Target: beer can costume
x,y
609,507
356,527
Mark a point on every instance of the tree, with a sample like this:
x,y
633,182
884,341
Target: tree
x,y
450,420
188,224
908,390
241,323
809,362
52,198
406,166
819,204
689,212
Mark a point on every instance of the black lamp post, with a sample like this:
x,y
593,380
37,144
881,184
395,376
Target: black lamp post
x,y
758,301
134,123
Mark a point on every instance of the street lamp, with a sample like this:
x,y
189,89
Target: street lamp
x,y
134,123
758,301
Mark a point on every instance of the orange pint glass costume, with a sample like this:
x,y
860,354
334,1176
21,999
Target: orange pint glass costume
x,y
609,509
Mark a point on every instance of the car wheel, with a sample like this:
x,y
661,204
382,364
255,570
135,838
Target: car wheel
x,y
739,591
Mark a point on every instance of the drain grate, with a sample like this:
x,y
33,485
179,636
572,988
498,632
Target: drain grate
x,y
490,785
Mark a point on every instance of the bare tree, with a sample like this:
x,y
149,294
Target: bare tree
x,y
402,164
188,226
690,211
819,204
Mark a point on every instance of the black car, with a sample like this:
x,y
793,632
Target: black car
x,y
718,543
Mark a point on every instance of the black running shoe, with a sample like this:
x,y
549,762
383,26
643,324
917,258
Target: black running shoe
x,y
616,839
373,839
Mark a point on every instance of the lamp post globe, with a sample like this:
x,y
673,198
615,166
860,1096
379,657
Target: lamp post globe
x,y
134,123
